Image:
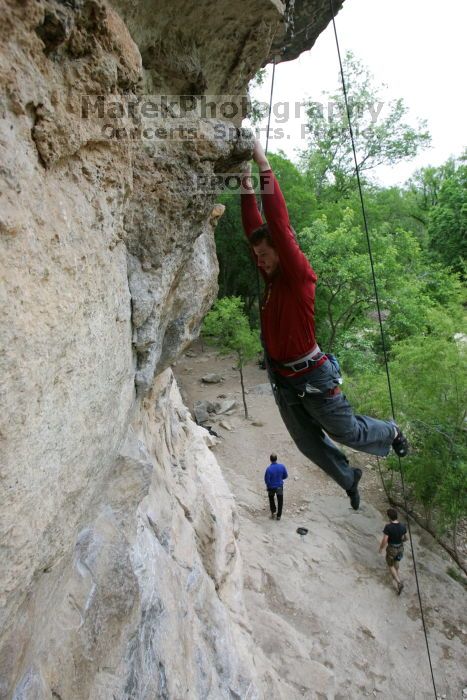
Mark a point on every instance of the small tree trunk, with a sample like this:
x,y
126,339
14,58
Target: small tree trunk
x,y
454,538
245,408
332,339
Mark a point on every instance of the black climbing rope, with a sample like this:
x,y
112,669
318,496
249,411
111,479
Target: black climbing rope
x,y
375,286
258,287
270,102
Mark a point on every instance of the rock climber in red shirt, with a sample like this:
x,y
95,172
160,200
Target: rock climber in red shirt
x,y
305,380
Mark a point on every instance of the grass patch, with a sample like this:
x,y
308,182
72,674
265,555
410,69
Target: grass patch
x,y
457,576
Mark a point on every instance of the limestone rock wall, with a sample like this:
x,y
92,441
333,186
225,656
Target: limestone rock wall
x,y
147,602
115,537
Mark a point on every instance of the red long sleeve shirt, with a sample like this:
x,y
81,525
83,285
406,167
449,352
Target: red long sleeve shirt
x,y
287,310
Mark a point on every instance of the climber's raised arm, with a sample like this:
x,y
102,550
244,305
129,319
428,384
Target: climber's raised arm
x,y
292,260
251,217
260,157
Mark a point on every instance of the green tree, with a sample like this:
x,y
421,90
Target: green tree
x,y
438,199
447,220
392,207
345,297
344,291
426,184
297,189
379,139
429,384
237,275
258,110
227,326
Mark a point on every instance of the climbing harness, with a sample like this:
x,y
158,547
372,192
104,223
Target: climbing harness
x,y
386,364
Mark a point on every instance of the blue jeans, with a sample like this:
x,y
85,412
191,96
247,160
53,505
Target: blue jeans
x,y
312,418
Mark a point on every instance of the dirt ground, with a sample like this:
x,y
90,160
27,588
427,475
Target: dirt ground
x,y
325,618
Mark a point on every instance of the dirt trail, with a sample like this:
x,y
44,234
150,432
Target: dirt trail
x,y
326,620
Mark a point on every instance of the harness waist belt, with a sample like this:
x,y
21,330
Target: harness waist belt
x,y
303,362
396,545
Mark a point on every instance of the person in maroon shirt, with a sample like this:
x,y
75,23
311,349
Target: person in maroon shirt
x,y
306,381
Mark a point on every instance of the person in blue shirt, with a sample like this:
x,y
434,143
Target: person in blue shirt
x,y
274,477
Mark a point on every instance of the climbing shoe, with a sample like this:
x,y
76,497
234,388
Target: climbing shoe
x,y
400,587
400,444
353,492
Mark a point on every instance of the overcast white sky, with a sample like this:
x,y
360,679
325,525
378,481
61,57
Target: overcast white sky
x,y
416,47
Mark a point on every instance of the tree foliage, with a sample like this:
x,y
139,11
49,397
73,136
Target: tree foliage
x,y
441,196
408,286
447,220
237,275
258,110
429,384
227,326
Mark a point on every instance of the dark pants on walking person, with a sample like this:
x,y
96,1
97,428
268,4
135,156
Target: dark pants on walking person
x,y
309,412
279,492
